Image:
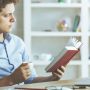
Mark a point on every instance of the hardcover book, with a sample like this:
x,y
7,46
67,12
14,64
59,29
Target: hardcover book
x,y
63,58
76,23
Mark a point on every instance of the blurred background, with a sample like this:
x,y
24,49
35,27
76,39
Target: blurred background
x,y
47,25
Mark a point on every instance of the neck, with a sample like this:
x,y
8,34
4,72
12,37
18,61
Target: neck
x,y
1,37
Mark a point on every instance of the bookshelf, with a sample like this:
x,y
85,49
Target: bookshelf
x,y
42,37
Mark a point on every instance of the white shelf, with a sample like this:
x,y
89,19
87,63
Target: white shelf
x,y
89,61
44,16
56,34
75,62
41,63
88,34
59,5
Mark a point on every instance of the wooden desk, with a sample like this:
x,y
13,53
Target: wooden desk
x,y
65,83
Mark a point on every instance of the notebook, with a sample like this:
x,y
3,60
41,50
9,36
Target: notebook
x,y
82,82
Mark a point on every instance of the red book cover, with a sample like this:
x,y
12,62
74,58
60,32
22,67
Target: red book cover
x,y
64,57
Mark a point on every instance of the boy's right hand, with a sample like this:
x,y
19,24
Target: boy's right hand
x,y
21,74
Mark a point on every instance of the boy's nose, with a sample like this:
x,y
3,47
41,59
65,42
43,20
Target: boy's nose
x,y
12,19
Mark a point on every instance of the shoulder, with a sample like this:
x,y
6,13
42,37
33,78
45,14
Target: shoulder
x,y
16,39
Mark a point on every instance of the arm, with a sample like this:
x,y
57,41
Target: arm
x,y
44,79
21,74
55,76
6,81
18,76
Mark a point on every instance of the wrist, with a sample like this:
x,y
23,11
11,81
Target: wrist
x,y
54,78
10,80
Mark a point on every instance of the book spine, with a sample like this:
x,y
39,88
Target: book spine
x,y
63,51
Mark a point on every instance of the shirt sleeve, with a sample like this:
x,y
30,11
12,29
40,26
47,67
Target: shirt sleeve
x,y
26,58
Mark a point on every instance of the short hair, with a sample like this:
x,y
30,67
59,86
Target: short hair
x,y
3,3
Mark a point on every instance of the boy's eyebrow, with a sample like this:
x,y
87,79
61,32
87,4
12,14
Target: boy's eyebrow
x,y
6,13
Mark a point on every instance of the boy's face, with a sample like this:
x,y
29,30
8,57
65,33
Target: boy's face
x,y
7,18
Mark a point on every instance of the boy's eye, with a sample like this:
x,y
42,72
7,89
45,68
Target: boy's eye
x,y
6,15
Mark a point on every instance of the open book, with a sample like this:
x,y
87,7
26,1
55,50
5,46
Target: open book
x,y
63,58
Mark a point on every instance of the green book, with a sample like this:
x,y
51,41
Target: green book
x,y
76,23
61,0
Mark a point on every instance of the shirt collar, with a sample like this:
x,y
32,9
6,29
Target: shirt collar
x,y
7,36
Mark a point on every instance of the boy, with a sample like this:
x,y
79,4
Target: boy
x,y
13,52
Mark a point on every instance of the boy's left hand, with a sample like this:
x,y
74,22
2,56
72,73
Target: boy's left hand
x,y
59,73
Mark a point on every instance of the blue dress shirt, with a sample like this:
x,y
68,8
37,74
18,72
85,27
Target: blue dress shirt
x,y
14,47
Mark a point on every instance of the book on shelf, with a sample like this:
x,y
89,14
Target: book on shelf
x,y
76,24
79,27
64,57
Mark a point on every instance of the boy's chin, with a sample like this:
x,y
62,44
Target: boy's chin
x,y
7,31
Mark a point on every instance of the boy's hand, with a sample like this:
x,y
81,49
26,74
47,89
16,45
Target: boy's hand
x,y
21,74
59,73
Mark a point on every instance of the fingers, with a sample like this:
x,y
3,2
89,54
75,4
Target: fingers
x,y
25,69
58,75
27,75
24,66
21,73
60,72
27,72
62,68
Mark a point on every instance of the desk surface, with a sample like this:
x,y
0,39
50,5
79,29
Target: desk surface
x,y
64,83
